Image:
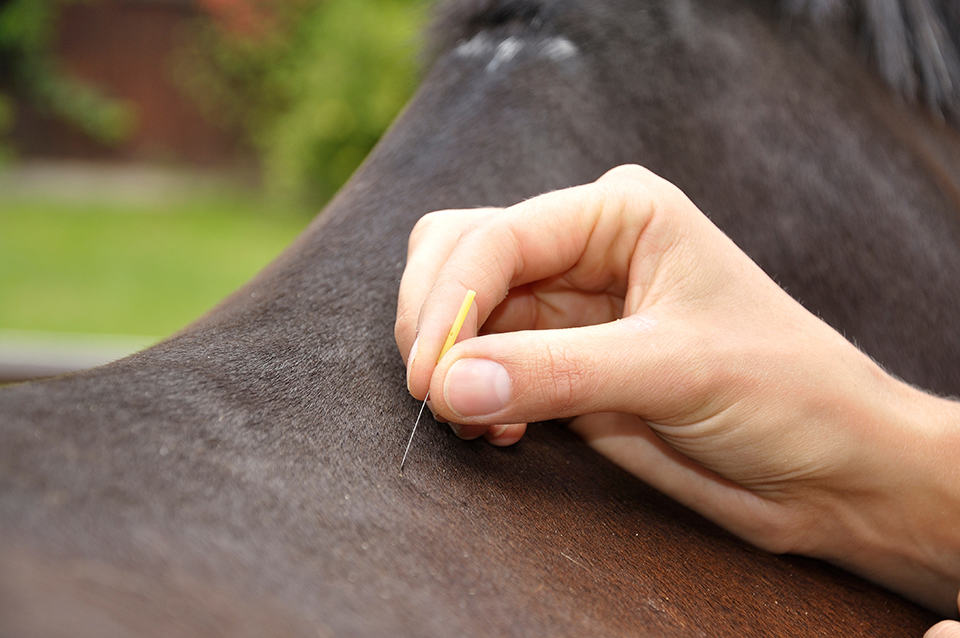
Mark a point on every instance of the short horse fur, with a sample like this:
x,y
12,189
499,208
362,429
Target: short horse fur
x,y
240,478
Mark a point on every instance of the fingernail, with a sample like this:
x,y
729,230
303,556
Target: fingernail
x,y
475,387
413,354
496,431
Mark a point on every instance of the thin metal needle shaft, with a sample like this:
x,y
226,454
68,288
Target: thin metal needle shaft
x,y
451,339
407,451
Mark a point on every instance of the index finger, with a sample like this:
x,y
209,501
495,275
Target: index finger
x,y
548,235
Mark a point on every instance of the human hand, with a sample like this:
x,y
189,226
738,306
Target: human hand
x,y
620,305
945,629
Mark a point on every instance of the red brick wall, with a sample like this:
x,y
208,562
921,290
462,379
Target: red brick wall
x,y
126,48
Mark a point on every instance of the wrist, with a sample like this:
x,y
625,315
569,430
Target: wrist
x,y
898,522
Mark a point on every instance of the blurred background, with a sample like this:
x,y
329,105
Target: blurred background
x,y
155,154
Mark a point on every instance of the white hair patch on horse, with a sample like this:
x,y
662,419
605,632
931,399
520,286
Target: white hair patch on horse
x,y
554,48
506,51
559,49
476,46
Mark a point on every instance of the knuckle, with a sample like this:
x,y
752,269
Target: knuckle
x,y
626,172
562,377
625,200
445,222
424,226
403,325
632,186
669,195
495,255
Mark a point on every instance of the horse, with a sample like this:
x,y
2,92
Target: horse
x,y
241,477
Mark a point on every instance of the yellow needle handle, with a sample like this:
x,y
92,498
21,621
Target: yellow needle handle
x,y
458,323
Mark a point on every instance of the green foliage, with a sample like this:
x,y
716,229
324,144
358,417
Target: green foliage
x,y
26,36
315,91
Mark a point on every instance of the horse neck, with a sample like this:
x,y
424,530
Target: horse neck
x,y
257,450
774,146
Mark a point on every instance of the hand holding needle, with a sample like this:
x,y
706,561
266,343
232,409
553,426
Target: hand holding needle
x,y
451,339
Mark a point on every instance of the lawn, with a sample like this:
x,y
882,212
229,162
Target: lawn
x,y
144,268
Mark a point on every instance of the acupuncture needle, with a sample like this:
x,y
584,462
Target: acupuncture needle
x,y
451,339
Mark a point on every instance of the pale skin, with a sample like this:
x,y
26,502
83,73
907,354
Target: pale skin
x,y
619,306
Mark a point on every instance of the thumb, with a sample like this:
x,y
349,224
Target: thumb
x,y
629,365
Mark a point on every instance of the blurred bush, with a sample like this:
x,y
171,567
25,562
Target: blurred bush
x,y
6,123
28,66
312,84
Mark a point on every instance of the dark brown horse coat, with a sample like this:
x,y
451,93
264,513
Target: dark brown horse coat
x,y
241,477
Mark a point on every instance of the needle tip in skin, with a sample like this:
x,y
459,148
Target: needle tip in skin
x,y
407,451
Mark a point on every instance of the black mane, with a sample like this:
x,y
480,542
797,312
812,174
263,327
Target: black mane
x,y
913,44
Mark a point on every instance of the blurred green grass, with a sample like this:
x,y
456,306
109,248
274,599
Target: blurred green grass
x,y
308,96
145,268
